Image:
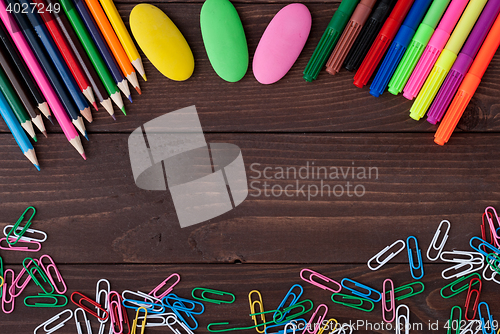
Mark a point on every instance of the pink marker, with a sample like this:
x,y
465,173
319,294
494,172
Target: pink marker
x,y
434,48
40,78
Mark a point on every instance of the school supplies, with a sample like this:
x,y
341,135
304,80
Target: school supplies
x,y
392,302
47,270
486,318
281,44
12,234
353,302
329,39
358,290
456,291
136,320
85,320
411,289
310,279
78,302
213,292
492,218
117,313
438,249
419,266
470,292
387,258
405,324
455,324
52,320
446,59
382,41
154,292
253,310
463,62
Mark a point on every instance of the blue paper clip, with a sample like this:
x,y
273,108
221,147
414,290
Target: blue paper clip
x,y
296,322
485,244
178,303
295,298
420,263
361,294
490,319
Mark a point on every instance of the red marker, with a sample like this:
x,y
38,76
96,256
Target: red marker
x,y
382,42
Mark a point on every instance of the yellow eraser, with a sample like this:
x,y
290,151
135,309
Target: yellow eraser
x,y
162,42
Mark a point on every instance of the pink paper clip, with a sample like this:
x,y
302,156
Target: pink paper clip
x,y
392,301
117,313
58,275
162,284
313,326
6,290
322,277
18,278
493,228
20,249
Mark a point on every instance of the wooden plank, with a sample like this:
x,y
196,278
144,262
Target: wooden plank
x,y
94,213
330,104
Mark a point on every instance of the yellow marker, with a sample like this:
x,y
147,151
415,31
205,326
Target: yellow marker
x,y
123,35
162,42
446,59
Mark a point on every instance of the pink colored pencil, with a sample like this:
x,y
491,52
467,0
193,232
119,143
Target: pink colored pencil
x,y
40,78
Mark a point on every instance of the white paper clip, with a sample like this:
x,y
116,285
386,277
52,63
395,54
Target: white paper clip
x,y
493,273
472,268
87,322
171,321
292,326
101,297
161,319
24,237
388,258
343,329
152,304
432,246
474,257
403,325
469,329
52,320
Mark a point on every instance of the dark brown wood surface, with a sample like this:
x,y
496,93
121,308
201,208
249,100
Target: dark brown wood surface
x,y
100,225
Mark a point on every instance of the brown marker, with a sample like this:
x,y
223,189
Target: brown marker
x,y
349,35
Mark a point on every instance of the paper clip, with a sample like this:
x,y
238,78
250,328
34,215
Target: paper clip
x,y
451,321
468,329
21,249
328,326
1,275
21,288
406,326
101,298
322,277
484,226
261,309
490,318
383,252
476,301
420,263
289,309
343,329
36,268
179,304
295,298
367,295
180,324
493,272
147,301
295,324
136,320
86,321
42,296
91,302
162,284
409,287
440,248
314,325
473,257
1,284
452,285
10,240
149,323
358,306
493,262
483,244
472,267
392,300
118,315
6,292
24,237
52,320
57,274
493,228
213,292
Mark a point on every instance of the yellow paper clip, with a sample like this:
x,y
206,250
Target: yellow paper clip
x,y
328,326
1,278
143,325
261,309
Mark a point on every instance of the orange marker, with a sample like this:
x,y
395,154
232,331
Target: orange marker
x,y
469,85
113,43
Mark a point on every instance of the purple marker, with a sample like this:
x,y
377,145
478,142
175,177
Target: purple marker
x,y
463,62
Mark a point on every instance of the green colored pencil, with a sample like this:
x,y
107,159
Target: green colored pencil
x,y
16,104
91,50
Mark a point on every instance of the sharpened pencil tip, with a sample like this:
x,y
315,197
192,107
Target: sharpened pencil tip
x,y
37,167
50,119
83,156
144,77
123,111
130,98
138,90
114,118
45,133
34,139
86,136
95,106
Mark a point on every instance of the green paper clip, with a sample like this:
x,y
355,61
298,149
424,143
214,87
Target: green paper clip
x,y
496,260
408,286
37,268
281,313
461,289
16,226
46,296
214,292
450,322
355,306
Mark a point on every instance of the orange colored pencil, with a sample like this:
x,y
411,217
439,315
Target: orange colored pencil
x,y
113,43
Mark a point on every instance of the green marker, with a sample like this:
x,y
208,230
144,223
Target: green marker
x,y
329,39
92,52
417,46
16,104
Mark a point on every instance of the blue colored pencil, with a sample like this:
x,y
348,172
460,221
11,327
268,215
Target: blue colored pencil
x,y
47,66
103,48
17,131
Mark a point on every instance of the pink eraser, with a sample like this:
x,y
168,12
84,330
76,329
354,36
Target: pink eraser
x,y
281,43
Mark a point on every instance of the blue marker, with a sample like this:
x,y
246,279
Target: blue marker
x,y
398,46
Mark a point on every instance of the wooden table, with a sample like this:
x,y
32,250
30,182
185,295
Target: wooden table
x,y
101,225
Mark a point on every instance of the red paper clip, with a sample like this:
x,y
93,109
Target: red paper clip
x,y
476,302
162,284
90,301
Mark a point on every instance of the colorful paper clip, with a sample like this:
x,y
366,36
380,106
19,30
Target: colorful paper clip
x,y
452,321
493,229
313,274
491,277
175,321
15,284
440,248
85,320
12,240
490,322
101,298
54,297
24,237
483,244
312,326
179,306
469,328
388,257
476,300
91,302
484,226
295,298
329,327
21,249
343,329
452,285
392,302
54,319
494,262
367,295
471,267
295,324
420,263
409,287
357,306
136,320
1,275
403,325
1,284
154,292
288,311
117,313
213,292
47,268
6,300
152,304
474,257
37,269
261,309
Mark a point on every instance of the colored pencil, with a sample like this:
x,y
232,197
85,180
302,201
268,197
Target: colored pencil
x,y
67,53
41,79
27,77
91,49
92,76
26,99
16,130
123,35
120,80
113,43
